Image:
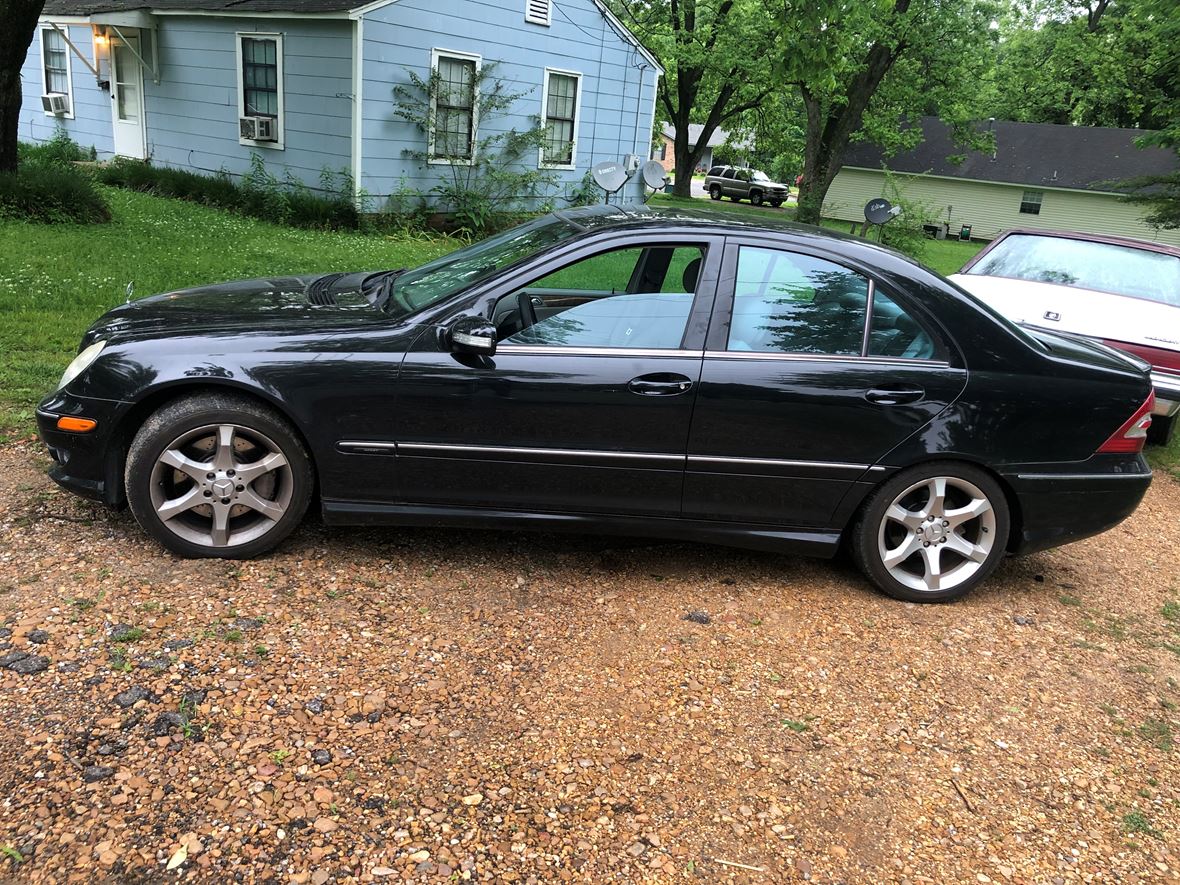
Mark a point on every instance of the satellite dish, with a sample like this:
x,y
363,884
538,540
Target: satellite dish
x,y
654,175
610,175
878,211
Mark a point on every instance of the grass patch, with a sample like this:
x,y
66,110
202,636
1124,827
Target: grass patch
x,y
1137,822
1066,599
1157,733
796,726
56,280
47,193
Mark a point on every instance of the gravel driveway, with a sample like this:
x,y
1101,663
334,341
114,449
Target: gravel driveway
x,y
440,706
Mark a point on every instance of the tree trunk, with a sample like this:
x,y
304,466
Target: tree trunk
x,y
686,161
18,19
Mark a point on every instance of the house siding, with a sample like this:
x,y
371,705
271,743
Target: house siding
x,y
192,113
993,208
617,108
91,126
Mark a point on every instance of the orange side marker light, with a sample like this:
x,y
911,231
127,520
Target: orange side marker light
x,y
76,425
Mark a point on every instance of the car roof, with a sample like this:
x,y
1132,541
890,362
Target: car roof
x,y
1110,239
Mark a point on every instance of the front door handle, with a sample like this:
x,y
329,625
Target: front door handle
x,y
660,384
895,396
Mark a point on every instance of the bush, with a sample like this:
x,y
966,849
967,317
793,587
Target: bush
x,y
259,194
61,150
46,193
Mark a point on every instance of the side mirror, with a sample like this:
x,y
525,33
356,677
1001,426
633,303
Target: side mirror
x,y
473,335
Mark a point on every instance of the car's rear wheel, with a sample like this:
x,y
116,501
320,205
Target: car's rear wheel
x,y
218,475
756,198
715,192
932,533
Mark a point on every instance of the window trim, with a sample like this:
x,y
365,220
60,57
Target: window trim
x,y
1025,201
436,54
577,75
45,90
280,120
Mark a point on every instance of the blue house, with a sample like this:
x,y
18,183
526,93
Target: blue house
x,y
307,85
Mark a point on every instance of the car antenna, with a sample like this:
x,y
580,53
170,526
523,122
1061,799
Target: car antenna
x,y
130,291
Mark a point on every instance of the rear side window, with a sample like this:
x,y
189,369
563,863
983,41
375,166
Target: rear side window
x,y
716,170
728,173
785,302
895,333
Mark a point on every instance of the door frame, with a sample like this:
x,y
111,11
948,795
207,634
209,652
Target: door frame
x,y
115,121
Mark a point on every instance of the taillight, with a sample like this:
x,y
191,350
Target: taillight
x,y
1133,434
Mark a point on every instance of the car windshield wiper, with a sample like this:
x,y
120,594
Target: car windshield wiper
x,y
380,286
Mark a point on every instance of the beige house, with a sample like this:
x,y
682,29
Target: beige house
x,y
1041,176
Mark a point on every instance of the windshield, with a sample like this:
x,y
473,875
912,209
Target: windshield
x,y
761,176
1083,264
451,274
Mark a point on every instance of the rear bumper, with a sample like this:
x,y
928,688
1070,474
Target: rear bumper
x,y
1167,394
1063,505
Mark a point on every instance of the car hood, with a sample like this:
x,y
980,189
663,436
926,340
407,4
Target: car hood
x,y
1079,311
322,303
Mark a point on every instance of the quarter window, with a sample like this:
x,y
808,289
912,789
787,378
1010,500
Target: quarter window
x,y
625,298
561,118
56,58
1030,202
785,302
895,333
453,137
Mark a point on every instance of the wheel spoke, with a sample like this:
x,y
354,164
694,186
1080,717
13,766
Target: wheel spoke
x,y
932,560
173,507
256,502
960,545
903,551
223,455
937,503
960,515
908,518
247,473
219,535
195,470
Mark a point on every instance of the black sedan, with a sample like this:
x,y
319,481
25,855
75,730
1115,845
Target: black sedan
x,y
632,371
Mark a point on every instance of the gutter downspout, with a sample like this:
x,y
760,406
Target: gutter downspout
x,y
358,106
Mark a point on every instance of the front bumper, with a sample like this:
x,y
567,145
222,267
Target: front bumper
x,y
1066,503
1167,394
87,464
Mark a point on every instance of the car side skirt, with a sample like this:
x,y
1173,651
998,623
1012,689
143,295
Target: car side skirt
x,y
807,542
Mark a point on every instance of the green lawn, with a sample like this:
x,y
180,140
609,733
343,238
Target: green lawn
x,y
55,280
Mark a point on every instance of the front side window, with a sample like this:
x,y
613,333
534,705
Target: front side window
x,y
453,135
1030,202
260,84
55,55
561,118
637,297
786,302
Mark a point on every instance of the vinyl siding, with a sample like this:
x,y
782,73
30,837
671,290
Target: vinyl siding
x,y
617,109
91,126
993,208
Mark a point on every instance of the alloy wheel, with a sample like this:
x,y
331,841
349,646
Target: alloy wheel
x,y
937,533
221,485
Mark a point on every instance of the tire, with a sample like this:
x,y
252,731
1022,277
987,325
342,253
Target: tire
x,y
755,198
776,203
218,476
1161,430
715,192
977,540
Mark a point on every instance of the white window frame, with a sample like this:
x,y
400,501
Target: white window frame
x,y
435,55
1039,202
280,121
573,163
69,114
545,20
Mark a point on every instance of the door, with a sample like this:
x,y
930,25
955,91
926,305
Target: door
x,y
127,98
796,400
586,404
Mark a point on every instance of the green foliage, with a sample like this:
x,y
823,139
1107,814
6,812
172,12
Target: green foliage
x,y
47,193
259,194
1137,822
499,182
905,233
60,150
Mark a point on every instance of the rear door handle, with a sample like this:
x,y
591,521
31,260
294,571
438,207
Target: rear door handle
x,y
660,384
894,396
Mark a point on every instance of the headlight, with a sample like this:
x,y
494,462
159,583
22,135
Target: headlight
x,y
81,363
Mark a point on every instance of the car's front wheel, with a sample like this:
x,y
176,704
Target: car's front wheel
x,y
715,192
932,533
776,203
218,475
756,198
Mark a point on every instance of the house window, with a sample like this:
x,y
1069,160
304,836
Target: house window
x,y
1030,203
538,12
453,136
260,84
55,58
562,91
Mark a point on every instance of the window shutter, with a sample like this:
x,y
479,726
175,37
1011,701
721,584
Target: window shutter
x,y
537,12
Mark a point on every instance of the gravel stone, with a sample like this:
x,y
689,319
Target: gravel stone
x,y
30,664
698,617
315,705
166,723
321,757
177,644
11,658
133,695
40,637
122,633
5,632
246,623
194,697
1024,620
93,773
160,662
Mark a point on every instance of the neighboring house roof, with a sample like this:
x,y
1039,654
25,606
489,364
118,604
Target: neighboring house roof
x,y
1034,154
718,138
273,7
